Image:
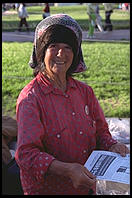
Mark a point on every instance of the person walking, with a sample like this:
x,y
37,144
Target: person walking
x,y
98,25
108,11
91,11
17,6
22,14
46,11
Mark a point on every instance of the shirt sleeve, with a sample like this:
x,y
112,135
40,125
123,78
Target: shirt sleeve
x,y
30,154
103,136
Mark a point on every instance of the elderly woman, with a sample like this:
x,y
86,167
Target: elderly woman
x,y
60,121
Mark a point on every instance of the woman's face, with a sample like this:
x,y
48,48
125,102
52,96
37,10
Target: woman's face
x,y
58,58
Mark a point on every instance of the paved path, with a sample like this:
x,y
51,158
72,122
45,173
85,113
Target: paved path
x,y
115,35
112,36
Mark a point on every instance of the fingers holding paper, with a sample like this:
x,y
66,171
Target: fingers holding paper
x,y
119,148
81,176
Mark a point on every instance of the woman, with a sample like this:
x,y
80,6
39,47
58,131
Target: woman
x,y
22,14
46,11
60,121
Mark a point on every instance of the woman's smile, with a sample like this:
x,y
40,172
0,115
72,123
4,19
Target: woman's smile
x,y
58,58
59,62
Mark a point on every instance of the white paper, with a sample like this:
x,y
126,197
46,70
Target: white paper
x,y
109,166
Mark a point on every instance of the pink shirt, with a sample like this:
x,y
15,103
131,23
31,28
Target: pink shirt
x,y
53,125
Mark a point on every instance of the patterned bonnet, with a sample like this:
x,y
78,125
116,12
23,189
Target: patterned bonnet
x,y
61,19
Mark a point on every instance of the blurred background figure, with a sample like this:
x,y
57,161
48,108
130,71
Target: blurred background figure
x,y
108,11
17,6
3,7
98,25
14,6
125,6
22,14
91,11
46,11
120,6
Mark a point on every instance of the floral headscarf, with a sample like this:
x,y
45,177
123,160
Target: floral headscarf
x,y
61,19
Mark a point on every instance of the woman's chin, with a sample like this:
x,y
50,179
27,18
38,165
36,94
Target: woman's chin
x,y
58,69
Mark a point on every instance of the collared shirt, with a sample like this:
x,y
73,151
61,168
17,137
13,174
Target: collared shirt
x,y
53,125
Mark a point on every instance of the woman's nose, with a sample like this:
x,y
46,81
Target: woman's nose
x,y
60,52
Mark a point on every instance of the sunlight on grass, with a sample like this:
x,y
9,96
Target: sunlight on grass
x,y
108,73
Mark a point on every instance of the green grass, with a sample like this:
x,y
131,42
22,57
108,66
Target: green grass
x,y
120,19
108,72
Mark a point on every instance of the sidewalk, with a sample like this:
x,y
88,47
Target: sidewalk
x,y
112,36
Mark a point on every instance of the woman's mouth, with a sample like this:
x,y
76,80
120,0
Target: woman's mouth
x,y
59,62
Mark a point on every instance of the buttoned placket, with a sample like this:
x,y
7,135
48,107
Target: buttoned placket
x,y
67,96
58,135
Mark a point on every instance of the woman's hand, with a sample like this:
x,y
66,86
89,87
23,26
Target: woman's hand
x,y
80,176
119,148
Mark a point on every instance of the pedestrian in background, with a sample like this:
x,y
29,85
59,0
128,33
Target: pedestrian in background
x,y
125,6
3,7
13,6
98,19
120,6
108,11
22,14
91,11
46,11
17,6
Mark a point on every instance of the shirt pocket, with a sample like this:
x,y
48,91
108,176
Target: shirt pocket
x,y
54,138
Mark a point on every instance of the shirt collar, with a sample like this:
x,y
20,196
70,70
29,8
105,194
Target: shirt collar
x,y
47,87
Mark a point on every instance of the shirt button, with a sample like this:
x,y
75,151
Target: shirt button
x,y
73,113
58,135
66,96
81,132
84,151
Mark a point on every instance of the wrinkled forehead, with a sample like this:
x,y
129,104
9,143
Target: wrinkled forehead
x,y
61,19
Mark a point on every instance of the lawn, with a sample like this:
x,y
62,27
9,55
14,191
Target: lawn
x,y
120,19
108,72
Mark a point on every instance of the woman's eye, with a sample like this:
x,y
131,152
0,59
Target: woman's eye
x,y
57,47
68,47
